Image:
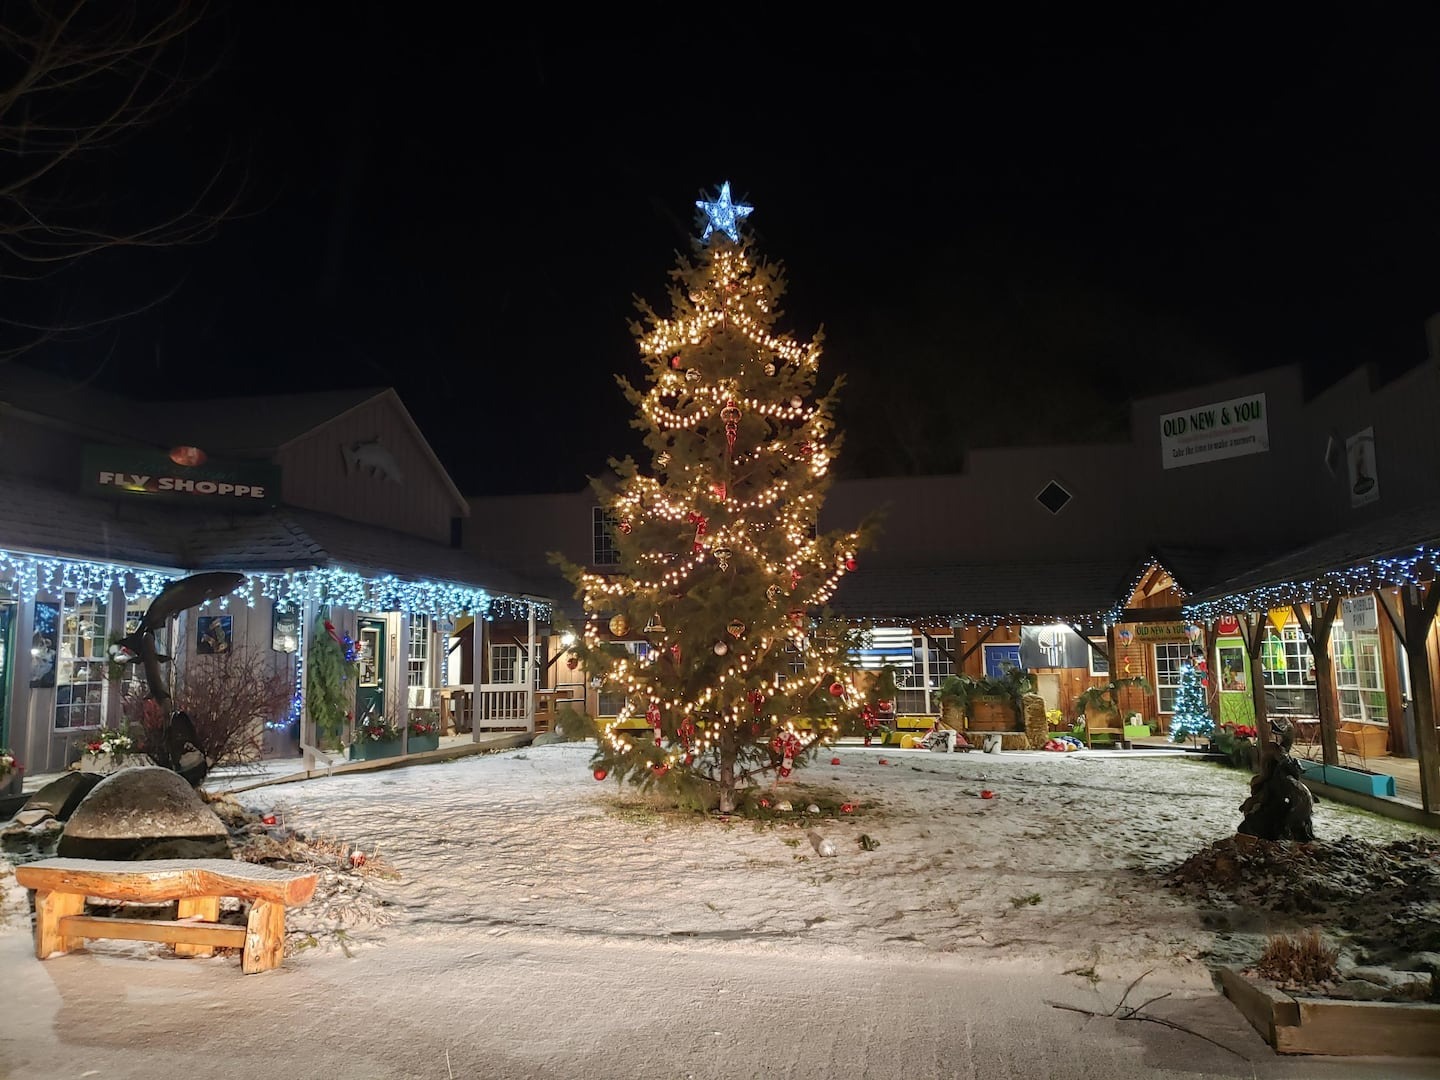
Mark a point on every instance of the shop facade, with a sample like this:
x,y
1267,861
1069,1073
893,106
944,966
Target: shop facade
x,y
331,506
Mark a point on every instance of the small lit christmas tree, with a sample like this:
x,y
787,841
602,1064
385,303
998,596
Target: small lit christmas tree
x,y
1191,718
714,626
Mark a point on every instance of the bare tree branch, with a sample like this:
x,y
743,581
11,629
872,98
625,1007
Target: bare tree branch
x,y
79,80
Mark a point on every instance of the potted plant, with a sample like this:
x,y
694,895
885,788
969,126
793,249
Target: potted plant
x,y
10,773
375,737
989,704
106,751
424,731
1098,707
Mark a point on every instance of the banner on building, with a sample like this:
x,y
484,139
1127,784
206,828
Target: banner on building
x,y
1360,458
1225,429
125,472
1359,613
1053,646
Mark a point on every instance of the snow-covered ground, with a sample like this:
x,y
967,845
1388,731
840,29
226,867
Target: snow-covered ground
x,y
543,924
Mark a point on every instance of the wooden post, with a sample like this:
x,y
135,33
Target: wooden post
x,y
477,673
531,671
203,908
264,937
1317,632
307,616
1252,629
50,908
1419,617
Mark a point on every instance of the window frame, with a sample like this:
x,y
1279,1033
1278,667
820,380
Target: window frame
x,y
604,551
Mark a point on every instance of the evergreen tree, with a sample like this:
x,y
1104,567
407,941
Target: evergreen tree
x,y
1191,718
743,671
327,672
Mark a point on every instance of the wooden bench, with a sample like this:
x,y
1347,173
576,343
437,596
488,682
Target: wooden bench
x,y
61,886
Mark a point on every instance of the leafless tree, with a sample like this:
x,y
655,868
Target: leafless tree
x,y
79,80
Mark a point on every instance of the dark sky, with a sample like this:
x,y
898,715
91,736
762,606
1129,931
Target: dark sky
x,y
1002,240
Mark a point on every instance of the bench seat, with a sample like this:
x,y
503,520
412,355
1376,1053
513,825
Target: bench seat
x,y
197,885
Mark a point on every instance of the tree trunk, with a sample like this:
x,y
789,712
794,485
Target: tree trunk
x,y
1253,625
1419,616
1326,703
727,769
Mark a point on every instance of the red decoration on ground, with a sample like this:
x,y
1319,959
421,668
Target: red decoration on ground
x,y
884,761
847,808
600,774
837,689
987,794
834,761
357,858
659,770
268,819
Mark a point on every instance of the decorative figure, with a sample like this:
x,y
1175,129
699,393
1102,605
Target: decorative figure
x,y
1280,805
370,454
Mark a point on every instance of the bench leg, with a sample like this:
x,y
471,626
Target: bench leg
x,y
207,909
50,908
264,937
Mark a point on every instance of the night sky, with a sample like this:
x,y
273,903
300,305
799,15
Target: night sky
x,y
1003,241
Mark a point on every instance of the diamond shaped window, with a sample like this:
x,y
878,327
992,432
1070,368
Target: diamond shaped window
x,y
1053,497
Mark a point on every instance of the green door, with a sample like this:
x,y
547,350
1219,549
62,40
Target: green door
x,y
370,689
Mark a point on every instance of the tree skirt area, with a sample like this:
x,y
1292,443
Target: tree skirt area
x,y
507,915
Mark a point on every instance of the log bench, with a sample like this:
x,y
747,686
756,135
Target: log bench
x,y
61,886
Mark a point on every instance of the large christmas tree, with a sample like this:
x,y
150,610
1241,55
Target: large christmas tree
x,y
1191,718
713,625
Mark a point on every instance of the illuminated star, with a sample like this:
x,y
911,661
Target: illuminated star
x,y
724,215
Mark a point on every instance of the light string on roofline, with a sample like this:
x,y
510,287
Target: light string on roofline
x,y
27,576
1418,567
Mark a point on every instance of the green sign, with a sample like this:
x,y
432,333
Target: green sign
x,y
1160,631
124,472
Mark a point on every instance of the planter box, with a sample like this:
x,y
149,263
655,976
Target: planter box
x,y
993,714
371,749
1367,783
1332,1026
421,743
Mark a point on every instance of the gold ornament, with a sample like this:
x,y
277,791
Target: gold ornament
x,y
722,556
735,628
656,625
618,625
721,648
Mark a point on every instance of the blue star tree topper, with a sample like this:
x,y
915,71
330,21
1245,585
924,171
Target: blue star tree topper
x,y
724,216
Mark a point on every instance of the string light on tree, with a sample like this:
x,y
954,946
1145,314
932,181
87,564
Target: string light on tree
x,y
723,526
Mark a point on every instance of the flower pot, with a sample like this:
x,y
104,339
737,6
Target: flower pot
x,y
421,743
371,749
12,783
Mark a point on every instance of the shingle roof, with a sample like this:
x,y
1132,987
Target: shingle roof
x,y
978,593
1384,551
43,520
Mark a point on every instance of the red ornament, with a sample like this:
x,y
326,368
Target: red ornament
x,y
834,761
884,761
600,774
764,802
675,652
625,527
718,490
847,808
268,819
987,794
572,662
659,770
784,771
850,563
675,361
357,858
837,689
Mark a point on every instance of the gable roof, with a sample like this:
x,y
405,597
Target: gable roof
x,y
45,520
978,594
254,426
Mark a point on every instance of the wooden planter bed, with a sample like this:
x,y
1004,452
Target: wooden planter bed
x,y
1306,1025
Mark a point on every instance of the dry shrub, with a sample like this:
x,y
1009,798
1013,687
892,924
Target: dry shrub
x,y
1302,960
229,699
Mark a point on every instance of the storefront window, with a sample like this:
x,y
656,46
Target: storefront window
x,y
1359,678
1170,656
611,700
1289,673
929,667
80,684
417,666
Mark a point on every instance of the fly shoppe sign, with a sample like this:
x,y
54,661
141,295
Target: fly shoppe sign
x,y
124,472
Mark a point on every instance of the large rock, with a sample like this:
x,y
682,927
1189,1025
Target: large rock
x,y
136,809
57,799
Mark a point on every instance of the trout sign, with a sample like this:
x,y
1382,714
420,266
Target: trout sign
x,y
1225,429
